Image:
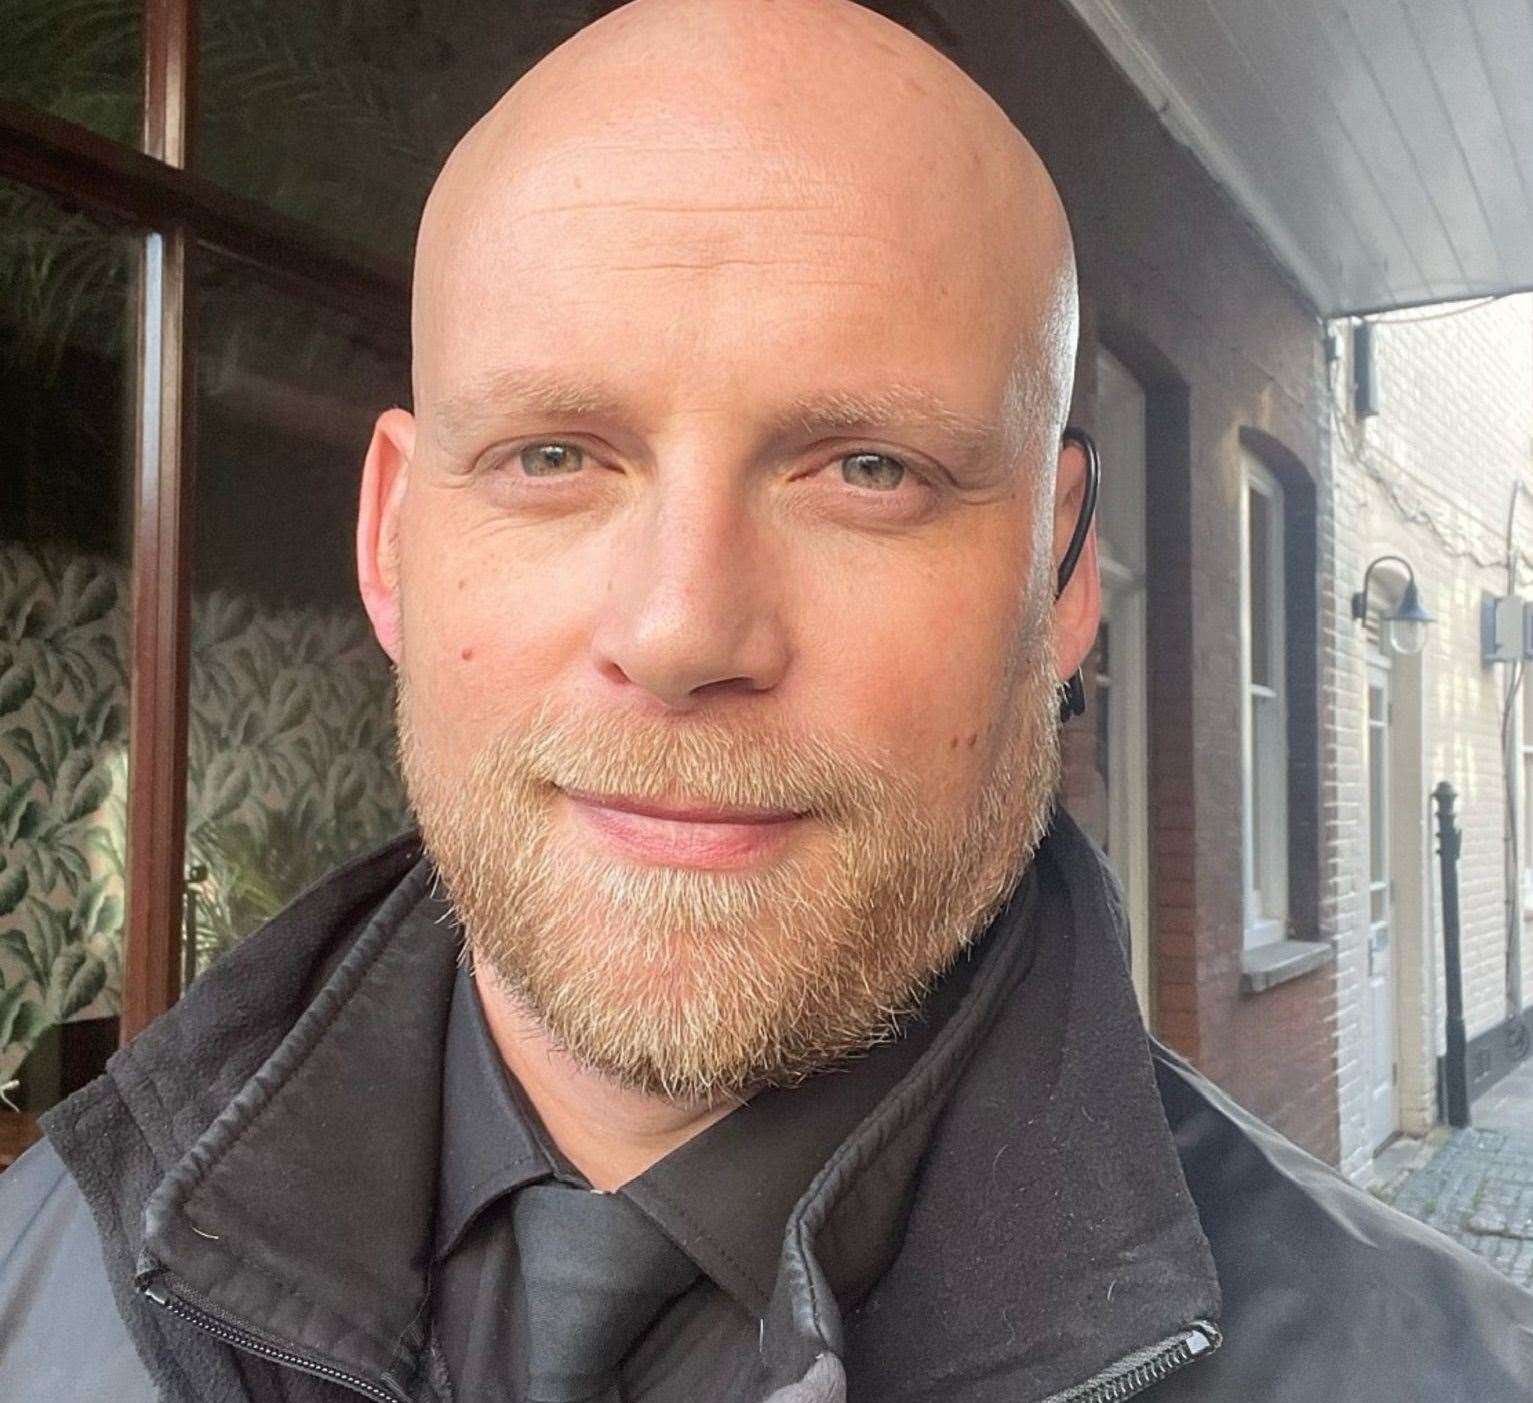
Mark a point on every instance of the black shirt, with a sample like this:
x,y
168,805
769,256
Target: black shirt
x,y
724,1197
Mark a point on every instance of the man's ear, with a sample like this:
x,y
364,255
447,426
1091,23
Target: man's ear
x,y
384,477
1078,610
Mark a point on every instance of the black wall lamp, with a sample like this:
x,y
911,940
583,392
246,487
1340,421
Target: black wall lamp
x,y
1406,628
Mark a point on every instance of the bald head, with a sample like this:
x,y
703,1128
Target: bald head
x,y
686,138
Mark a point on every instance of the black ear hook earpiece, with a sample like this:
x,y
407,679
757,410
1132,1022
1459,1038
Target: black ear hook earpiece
x,y
1072,694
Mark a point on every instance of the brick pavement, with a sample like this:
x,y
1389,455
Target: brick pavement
x,y
1475,1185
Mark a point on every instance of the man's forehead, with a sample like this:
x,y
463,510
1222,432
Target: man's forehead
x,y
651,197
650,153
556,228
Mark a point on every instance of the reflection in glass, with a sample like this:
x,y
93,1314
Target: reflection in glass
x,y
1378,803
1261,602
1527,817
1102,705
1267,838
341,114
79,60
65,548
290,751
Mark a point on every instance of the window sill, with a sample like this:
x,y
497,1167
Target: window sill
x,y
1263,967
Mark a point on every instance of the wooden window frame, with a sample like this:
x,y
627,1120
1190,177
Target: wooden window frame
x,y
176,213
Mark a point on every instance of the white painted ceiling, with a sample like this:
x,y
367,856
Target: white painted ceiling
x,y
1384,148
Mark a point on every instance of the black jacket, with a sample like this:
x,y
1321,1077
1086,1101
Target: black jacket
x,y
239,1209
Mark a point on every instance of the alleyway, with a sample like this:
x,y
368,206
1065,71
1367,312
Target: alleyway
x,y
1476,1185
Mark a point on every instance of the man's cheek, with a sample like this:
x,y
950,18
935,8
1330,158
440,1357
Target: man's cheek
x,y
888,705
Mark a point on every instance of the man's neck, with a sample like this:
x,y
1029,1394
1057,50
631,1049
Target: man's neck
x,y
609,1133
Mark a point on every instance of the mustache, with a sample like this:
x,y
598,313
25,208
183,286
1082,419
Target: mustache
x,y
702,760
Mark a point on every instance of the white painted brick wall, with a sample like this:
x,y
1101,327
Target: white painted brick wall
x,y
1454,437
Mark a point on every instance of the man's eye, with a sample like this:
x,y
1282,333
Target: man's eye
x,y
876,470
551,459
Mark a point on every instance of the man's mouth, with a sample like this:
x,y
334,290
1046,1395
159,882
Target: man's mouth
x,y
680,833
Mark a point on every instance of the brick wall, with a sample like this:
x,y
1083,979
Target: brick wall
x,y
1178,287
1431,478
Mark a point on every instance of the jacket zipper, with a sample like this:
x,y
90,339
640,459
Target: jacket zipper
x,y
1138,1371
240,1338
1129,1376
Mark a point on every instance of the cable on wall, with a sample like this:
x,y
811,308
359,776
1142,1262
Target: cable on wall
x,y
1458,311
1453,541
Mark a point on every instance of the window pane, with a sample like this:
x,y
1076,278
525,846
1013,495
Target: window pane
x,y
290,751
1120,433
77,61
1268,832
1527,778
1378,798
1098,816
66,415
1527,808
1258,802
1260,571
341,114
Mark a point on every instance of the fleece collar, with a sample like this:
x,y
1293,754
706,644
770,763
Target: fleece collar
x,y
1012,1213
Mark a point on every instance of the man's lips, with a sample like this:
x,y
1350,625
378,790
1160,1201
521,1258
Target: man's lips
x,y
682,813
683,835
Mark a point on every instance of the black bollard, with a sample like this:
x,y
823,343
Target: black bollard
x,y
1456,1063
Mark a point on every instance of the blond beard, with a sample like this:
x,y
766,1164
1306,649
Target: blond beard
x,y
692,984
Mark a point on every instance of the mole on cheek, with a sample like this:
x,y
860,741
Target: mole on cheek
x,y
466,654
953,744
973,737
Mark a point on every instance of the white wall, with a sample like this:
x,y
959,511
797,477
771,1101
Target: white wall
x,y
1431,478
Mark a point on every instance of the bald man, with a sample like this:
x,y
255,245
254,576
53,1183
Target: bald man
x,y
744,1021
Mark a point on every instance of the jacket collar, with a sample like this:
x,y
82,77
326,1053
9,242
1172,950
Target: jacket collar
x,y
302,1211
1048,1232
1052,1192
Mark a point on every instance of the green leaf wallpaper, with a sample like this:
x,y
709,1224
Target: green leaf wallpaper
x,y
291,770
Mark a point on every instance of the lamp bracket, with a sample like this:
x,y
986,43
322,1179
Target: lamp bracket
x,y
1360,599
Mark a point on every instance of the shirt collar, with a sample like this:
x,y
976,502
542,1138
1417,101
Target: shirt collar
x,y
491,1141
726,1195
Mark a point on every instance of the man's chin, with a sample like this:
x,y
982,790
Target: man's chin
x,y
661,977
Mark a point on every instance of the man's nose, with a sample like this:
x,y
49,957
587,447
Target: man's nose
x,y
693,604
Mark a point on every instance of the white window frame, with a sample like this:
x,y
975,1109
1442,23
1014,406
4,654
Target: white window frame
x,y
1122,422
1266,891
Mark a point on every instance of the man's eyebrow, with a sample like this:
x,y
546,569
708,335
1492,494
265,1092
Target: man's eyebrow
x,y
487,399
837,411
894,406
